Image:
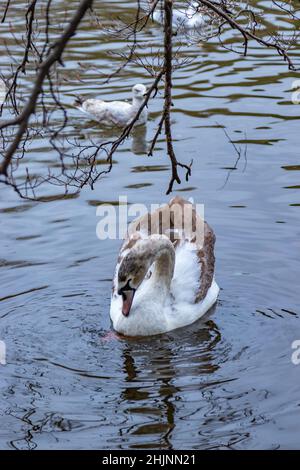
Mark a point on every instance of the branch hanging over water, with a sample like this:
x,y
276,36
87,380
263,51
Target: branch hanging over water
x,y
168,40
44,113
55,56
247,34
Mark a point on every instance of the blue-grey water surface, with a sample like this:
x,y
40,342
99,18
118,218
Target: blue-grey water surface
x,y
228,380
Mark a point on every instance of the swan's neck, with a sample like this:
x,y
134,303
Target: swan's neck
x,y
161,255
162,275
137,102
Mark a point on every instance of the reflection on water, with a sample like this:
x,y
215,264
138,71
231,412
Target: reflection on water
x,y
139,144
221,383
156,362
138,136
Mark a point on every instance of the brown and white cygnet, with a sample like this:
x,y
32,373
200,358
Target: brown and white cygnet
x,y
163,282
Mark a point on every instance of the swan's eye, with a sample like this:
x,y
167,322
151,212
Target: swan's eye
x,y
127,287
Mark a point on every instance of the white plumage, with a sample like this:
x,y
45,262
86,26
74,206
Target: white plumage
x,y
116,113
160,284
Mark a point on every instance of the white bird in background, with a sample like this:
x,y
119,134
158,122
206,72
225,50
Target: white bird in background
x,y
190,18
116,113
164,277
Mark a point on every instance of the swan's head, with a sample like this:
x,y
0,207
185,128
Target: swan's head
x,y
136,264
132,272
139,91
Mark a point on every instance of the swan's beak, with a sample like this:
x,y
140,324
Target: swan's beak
x,y
127,297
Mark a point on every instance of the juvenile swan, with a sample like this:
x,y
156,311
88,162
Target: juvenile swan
x,y
116,113
164,280
190,18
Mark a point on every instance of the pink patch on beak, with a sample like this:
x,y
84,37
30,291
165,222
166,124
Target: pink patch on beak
x,y
127,301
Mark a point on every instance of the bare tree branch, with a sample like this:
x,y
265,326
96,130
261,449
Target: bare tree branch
x,y
168,28
55,56
248,34
44,113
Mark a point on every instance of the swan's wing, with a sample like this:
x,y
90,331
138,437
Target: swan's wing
x,y
206,258
199,238
194,269
119,112
115,112
94,108
185,282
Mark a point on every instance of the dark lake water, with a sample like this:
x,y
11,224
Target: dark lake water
x,y
226,381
